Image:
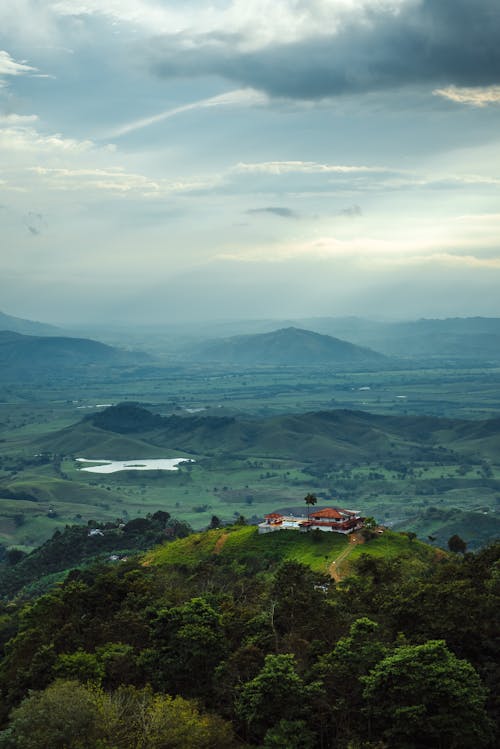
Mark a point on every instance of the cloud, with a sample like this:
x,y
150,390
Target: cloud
x,y
304,167
116,180
9,66
21,137
480,96
281,211
368,47
239,98
15,120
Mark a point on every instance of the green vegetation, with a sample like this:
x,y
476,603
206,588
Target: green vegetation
x,y
224,639
317,550
396,468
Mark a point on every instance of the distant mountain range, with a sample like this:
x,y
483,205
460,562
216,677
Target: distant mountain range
x,y
27,357
459,339
289,347
452,339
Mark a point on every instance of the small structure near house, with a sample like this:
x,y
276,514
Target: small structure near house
x,y
331,519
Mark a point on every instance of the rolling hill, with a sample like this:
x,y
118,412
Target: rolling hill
x,y
26,357
288,347
336,436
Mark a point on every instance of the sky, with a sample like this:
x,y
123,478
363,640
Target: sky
x,y
170,160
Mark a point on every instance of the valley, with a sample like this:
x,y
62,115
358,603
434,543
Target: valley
x,y
409,450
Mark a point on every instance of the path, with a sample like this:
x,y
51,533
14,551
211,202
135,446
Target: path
x,y
220,543
334,569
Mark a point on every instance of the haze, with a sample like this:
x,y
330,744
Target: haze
x,y
164,161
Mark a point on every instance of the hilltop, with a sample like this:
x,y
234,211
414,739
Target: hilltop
x,y
317,550
288,347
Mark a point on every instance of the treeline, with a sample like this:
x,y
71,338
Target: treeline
x,y
231,654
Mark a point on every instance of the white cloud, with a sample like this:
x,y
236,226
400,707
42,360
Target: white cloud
x,y
253,24
28,139
116,180
241,97
14,120
479,96
9,66
307,167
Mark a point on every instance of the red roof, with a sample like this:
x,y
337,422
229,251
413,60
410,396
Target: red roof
x,y
329,512
274,515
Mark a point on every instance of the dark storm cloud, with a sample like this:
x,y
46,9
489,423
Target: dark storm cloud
x,y
276,210
432,42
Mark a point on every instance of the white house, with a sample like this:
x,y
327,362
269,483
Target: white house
x,y
332,519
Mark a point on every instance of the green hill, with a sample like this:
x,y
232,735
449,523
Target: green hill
x,y
291,347
338,435
475,528
27,357
244,546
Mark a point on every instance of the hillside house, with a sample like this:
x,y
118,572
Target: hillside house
x,y
331,519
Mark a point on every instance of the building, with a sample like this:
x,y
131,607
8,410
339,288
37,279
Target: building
x,y
332,519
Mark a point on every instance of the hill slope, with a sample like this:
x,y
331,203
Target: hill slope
x,y
468,338
290,347
28,356
27,327
338,435
245,546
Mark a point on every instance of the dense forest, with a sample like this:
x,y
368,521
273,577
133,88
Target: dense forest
x,y
227,650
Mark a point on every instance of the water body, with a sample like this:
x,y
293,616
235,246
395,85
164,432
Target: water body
x,y
154,464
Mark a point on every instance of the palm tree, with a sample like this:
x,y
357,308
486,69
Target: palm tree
x,y
310,499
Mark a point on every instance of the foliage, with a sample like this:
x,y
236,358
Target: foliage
x,y
423,695
272,651
68,715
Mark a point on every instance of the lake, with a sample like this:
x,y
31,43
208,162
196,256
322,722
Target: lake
x,y
154,464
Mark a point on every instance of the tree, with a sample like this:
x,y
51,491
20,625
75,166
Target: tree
x,y
292,734
214,522
63,716
457,544
276,692
310,500
340,673
424,696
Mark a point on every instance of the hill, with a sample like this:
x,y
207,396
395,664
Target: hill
x,y
128,430
244,545
289,347
27,357
475,528
460,339
337,434
78,545
27,327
